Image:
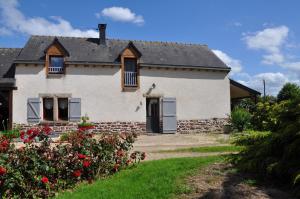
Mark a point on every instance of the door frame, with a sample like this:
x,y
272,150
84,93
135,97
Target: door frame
x,y
10,107
149,130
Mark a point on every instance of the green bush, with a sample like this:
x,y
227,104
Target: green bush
x,y
289,91
10,133
266,115
250,137
274,155
240,119
65,136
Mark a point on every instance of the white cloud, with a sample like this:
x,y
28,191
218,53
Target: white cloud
x,y
272,41
274,82
234,64
14,20
269,39
121,14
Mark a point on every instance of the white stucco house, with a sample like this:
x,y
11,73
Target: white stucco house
x,y
121,85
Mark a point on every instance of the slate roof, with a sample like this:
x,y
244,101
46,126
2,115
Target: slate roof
x,y
7,57
7,68
87,50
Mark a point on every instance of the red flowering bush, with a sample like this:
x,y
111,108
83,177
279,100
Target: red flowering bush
x,y
41,168
45,180
4,144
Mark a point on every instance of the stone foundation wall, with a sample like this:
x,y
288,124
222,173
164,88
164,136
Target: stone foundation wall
x,y
183,126
111,127
201,126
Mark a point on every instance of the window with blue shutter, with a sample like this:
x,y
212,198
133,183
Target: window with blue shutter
x,y
74,109
33,110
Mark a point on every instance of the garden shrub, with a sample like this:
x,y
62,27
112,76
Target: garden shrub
x,y
266,115
289,91
274,155
10,133
250,137
40,169
240,119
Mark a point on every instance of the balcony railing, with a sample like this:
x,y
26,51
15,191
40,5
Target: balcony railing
x,y
130,78
55,70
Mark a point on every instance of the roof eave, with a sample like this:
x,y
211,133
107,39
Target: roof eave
x,y
187,67
250,90
8,83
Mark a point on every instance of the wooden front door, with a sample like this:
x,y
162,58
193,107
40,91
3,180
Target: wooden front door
x,y
152,109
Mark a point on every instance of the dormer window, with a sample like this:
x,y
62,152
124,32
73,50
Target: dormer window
x,y
55,58
130,57
130,72
56,65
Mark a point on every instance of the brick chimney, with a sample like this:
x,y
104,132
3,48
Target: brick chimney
x,y
102,37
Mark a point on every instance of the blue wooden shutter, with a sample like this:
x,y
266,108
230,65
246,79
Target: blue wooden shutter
x,y
169,115
33,110
74,109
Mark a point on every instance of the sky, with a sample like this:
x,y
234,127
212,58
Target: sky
x,y
257,39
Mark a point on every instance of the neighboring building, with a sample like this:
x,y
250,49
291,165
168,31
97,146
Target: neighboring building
x,y
121,85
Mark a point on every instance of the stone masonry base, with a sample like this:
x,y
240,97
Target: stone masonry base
x,y
183,126
201,126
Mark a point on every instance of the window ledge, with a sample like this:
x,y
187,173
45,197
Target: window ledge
x,y
59,122
130,88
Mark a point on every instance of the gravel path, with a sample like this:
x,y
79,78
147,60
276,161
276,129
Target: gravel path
x,y
158,156
152,144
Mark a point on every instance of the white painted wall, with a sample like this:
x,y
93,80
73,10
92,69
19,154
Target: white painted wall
x,y
199,94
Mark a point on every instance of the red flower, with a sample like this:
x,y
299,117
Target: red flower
x,y
27,140
77,173
22,134
4,145
85,128
45,180
86,164
120,153
128,161
81,156
29,131
116,167
47,130
2,170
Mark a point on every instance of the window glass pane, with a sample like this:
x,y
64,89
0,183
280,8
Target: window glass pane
x,y
130,65
57,62
63,108
48,109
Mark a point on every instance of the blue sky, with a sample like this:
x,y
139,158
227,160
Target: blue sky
x,y
258,39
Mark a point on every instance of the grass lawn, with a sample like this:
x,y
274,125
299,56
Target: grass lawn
x,y
154,179
206,149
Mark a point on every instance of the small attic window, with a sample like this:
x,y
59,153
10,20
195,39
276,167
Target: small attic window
x,y
56,65
130,72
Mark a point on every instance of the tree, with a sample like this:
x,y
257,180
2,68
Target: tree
x,y
288,91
